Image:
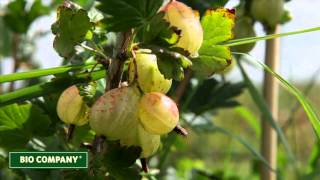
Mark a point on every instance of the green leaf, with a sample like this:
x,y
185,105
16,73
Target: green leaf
x,y
88,92
170,63
121,156
210,95
119,161
121,15
82,134
70,29
217,27
18,19
159,32
19,123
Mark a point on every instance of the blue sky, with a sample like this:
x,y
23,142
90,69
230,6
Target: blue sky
x,y
300,54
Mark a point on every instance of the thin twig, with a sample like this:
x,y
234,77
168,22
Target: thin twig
x,y
95,51
134,59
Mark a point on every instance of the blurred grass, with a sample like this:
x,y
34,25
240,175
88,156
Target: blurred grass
x,y
219,152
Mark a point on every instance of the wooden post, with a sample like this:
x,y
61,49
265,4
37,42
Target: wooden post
x,y
270,93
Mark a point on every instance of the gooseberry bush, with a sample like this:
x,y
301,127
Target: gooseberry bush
x,y
125,57
135,75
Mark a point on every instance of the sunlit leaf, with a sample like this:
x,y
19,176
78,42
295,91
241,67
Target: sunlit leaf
x,y
217,26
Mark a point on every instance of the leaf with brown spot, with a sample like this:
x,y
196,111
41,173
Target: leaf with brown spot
x,y
217,26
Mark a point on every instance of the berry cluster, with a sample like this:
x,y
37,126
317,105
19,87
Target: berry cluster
x,y
137,114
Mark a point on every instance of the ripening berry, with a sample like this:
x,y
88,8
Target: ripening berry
x,y
114,114
150,78
71,108
149,143
267,11
185,19
158,114
243,29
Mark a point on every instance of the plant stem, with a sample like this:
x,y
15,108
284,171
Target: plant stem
x,y
121,54
144,165
115,71
70,132
270,93
42,89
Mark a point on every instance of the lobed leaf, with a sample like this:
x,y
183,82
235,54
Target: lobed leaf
x,y
217,27
70,29
211,94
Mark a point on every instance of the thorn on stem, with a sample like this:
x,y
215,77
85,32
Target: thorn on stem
x,y
144,165
180,130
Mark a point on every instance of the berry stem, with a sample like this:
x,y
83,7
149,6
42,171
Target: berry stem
x,y
71,129
135,66
97,145
144,165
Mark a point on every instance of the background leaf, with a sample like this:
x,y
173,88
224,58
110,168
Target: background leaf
x,y
211,94
18,19
19,123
